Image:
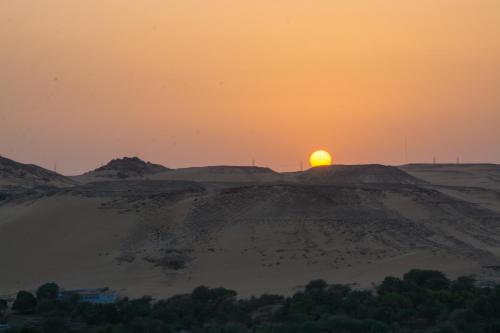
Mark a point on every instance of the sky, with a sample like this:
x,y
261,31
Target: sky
x,y
196,82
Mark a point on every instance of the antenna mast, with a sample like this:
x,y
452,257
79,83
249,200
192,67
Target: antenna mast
x,y
406,149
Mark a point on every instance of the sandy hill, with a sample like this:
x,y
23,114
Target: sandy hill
x,y
337,174
236,174
250,229
356,174
470,175
123,168
134,168
13,173
475,183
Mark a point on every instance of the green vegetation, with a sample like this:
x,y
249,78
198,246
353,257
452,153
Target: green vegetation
x,y
48,291
25,302
422,301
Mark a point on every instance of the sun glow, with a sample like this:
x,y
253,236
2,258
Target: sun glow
x,y
320,158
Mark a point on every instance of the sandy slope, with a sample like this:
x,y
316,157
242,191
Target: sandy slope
x,y
222,174
463,175
250,229
62,238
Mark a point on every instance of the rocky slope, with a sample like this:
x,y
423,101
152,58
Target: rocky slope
x,y
123,168
13,173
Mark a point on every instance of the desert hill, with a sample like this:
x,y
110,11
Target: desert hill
x,y
470,175
357,174
250,229
133,168
13,173
123,168
243,174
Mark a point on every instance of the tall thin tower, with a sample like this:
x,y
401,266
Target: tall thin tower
x,y
406,149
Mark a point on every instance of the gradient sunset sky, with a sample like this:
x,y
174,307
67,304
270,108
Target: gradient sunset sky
x,y
186,83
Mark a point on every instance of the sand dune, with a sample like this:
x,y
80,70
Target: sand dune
x,y
251,229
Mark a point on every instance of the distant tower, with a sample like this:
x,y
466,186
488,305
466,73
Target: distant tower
x,y
55,167
406,149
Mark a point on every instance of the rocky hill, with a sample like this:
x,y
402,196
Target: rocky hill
x,y
13,173
124,168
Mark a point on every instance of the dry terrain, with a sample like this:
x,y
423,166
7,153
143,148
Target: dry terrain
x,y
143,229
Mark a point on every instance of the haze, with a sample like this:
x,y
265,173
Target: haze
x,y
187,83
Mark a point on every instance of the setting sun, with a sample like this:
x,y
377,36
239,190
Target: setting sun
x,y
319,158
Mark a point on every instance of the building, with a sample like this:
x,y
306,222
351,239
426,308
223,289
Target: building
x,y
94,296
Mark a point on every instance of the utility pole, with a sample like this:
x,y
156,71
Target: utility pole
x,y
406,150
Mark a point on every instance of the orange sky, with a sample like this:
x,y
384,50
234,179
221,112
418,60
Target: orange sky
x,y
189,82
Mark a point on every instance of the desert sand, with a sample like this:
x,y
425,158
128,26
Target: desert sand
x,y
161,231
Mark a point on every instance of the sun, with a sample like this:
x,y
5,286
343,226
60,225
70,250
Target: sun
x,y
319,158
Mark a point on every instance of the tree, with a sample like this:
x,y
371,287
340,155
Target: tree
x,y
3,306
394,285
430,279
463,283
25,302
45,306
48,291
201,293
316,286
